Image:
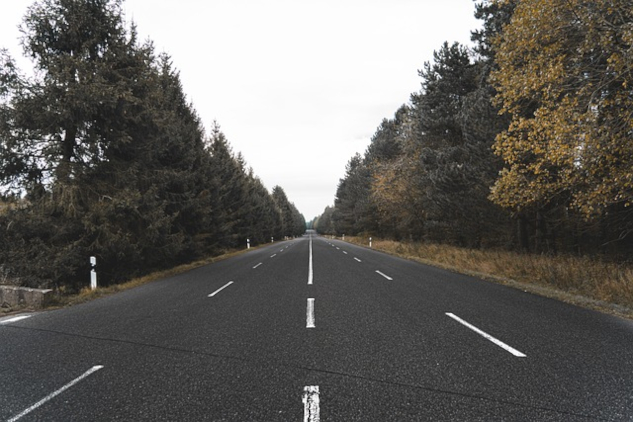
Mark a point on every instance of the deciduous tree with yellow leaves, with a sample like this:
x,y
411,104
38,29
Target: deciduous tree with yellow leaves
x,y
564,76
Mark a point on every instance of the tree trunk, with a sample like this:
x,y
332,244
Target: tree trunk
x,y
68,150
522,233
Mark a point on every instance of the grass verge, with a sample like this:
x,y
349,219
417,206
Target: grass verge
x,y
582,281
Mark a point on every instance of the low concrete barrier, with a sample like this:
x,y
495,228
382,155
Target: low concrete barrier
x,y
12,297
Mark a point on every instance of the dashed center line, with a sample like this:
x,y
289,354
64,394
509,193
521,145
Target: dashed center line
x,y
345,252
57,393
310,268
384,275
257,265
358,260
311,411
221,288
310,314
273,255
487,336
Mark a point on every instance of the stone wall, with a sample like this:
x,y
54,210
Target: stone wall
x,y
13,297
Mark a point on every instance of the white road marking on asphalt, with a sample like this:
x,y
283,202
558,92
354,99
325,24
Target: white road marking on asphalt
x,y
310,269
221,288
358,260
384,275
487,336
311,404
310,314
273,255
257,265
56,393
338,249
15,319
345,252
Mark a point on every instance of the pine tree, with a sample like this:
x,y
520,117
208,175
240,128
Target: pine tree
x,y
353,208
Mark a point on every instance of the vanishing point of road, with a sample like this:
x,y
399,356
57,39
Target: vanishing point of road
x,y
315,329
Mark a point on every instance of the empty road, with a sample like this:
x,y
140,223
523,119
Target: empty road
x,y
317,330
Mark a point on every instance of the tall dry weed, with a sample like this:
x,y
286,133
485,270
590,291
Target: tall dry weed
x,y
585,276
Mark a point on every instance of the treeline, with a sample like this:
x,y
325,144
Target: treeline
x,y
523,142
101,154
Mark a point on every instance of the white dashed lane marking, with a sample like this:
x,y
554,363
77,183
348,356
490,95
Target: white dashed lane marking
x,y
311,405
487,336
384,275
221,288
310,314
57,392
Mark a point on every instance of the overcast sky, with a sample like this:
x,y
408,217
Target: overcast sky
x,y
297,86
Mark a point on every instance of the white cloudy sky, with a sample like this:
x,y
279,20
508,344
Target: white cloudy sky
x,y
297,86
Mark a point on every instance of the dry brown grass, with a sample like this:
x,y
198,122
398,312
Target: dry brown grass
x,y
583,281
62,299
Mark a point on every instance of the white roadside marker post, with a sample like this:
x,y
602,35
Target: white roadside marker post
x,y
93,273
370,242
248,243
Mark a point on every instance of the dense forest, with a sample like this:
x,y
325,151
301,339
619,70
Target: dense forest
x,y
523,141
101,154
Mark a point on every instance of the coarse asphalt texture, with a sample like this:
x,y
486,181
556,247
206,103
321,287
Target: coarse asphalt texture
x,y
390,340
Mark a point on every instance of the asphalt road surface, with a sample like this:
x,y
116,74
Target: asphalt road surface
x,y
317,330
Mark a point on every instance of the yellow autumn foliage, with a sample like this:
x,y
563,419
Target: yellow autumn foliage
x,y
565,77
393,192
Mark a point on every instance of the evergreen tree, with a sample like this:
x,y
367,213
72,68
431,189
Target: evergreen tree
x,y
233,190
110,157
353,208
265,219
323,224
454,164
293,223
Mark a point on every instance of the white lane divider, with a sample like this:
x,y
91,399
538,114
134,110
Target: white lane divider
x,y
57,393
487,336
15,319
311,404
273,255
384,275
345,252
310,314
257,265
358,260
310,270
221,288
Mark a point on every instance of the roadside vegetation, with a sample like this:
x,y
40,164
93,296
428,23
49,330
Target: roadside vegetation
x,y
515,157
63,297
102,154
583,281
